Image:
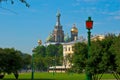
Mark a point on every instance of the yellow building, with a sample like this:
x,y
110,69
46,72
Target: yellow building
x,y
68,49
67,53
97,37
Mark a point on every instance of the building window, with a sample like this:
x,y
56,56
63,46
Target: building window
x,y
65,49
73,48
69,49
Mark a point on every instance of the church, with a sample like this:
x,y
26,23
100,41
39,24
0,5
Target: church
x,y
58,36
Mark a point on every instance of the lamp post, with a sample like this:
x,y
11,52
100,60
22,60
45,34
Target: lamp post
x,y
53,66
32,78
89,24
33,50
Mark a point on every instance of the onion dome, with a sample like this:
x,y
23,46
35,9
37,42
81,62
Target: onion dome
x,y
74,29
49,38
58,14
66,38
39,42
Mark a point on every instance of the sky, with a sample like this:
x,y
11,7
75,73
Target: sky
x,y
22,27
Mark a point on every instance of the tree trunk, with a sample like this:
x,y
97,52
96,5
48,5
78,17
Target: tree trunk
x,y
1,76
116,75
16,75
101,76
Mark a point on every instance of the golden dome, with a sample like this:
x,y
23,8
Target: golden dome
x,y
74,29
39,42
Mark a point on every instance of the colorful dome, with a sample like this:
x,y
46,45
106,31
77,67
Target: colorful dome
x,y
49,37
39,42
74,29
66,38
58,14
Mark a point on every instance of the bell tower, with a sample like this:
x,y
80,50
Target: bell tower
x,y
58,33
74,33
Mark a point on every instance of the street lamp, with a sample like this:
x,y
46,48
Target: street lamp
x,y
89,24
33,64
53,66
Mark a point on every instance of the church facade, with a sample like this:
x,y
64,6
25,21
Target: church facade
x,y
58,36
58,33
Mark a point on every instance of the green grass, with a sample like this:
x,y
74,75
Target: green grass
x,y
56,76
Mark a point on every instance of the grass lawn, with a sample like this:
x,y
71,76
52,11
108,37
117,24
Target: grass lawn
x,y
56,76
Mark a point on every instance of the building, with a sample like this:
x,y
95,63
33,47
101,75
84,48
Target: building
x,y
57,36
68,48
97,37
74,33
67,53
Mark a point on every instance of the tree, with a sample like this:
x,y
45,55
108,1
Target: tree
x,y
103,57
79,57
2,60
94,61
12,2
40,50
11,61
55,51
108,57
115,50
43,56
60,54
51,50
26,61
14,61
39,55
39,63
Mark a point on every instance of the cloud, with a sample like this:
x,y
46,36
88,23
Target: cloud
x,y
77,2
88,10
113,15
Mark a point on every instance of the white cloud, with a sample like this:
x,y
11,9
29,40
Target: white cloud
x,y
77,2
111,13
88,10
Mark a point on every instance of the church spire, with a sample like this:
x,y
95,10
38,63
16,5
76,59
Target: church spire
x,y
58,18
58,33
